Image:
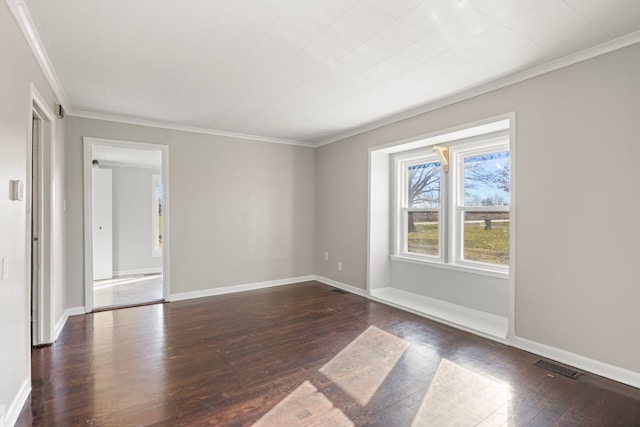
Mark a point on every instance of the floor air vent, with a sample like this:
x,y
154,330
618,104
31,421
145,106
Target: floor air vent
x,y
339,291
557,369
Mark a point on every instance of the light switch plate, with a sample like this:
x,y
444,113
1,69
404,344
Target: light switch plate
x,y
17,190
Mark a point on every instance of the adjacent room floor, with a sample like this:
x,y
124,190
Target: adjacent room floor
x,y
127,290
301,355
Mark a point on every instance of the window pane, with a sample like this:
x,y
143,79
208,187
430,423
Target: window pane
x,y
423,232
158,232
156,187
424,185
486,180
486,237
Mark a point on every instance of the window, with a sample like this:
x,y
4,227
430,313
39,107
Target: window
x,y
156,215
421,206
453,203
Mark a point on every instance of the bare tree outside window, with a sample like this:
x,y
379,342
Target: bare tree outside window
x,y
424,189
486,208
485,185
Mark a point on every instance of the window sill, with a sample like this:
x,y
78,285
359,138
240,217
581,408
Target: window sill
x,y
477,322
460,268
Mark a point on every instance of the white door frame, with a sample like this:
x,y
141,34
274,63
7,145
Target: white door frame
x,y
88,144
42,288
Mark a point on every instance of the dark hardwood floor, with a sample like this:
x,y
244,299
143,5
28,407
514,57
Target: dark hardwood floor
x,y
300,355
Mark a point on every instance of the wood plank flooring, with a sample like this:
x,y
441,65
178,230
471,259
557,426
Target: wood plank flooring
x,y
300,355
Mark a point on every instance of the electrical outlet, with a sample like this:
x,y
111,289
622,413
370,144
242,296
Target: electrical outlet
x,y
326,256
339,266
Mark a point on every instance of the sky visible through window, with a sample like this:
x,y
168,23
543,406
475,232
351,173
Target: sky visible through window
x,y
486,179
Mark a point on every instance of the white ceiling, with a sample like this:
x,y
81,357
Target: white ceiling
x,y
310,71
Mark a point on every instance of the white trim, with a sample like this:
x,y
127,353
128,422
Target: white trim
x,y
457,205
477,322
151,270
238,288
494,126
21,13
88,226
490,86
166,224
156,234
23,17
463,142
45,319
401,164
182,128
25,22
471,269
379,214
511,289
379,217
343,286
125,165
416,304
73,311
581,362
486,325
13,412
89,142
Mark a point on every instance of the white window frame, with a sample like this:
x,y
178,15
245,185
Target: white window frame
x,y
457,154
156,249
402,165
451,219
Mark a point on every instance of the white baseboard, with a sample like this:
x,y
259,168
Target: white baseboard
x,y
583,363
73,311
153,270
340,285
238,288
16,406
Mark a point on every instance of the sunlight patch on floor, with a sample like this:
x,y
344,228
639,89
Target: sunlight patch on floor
x,y
458,395
361,367
305,406
123,281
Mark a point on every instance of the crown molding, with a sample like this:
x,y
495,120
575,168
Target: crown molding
x,y
21,13
193,129
490,86
23,17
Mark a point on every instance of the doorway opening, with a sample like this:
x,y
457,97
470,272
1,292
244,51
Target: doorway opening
x,y
36,190
42,221
126,224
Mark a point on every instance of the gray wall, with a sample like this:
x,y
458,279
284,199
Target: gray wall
x,y
241,211
132,221
577,231
19,69
472,290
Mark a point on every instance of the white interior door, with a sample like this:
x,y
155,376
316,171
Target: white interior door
x,y
36,189
101,210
